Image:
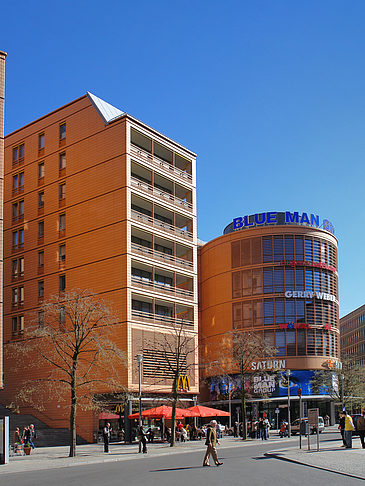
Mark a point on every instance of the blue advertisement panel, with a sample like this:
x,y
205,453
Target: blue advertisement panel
x,y
270,385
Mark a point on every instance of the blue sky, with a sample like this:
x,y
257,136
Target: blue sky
x,y
269,94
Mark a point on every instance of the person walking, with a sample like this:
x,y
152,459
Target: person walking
x,y
349,427
211,442
360,425
32,435
341,427
106,436
142,440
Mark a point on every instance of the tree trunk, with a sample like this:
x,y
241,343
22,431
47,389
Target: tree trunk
x,y
73,413
243,407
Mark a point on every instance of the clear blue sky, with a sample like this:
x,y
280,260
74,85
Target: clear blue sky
x,y
270,94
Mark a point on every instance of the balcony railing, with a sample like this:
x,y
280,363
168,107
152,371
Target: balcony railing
x,y
156,223
159,193
166,320
154,161
162,288
158,255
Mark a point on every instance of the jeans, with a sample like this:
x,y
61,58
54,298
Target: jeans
x,y
348,438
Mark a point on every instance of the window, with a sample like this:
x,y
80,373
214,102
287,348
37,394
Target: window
x,y
40,229
40,200
62,191
18,154
17,267
62,131
18,211
41,141
62,253
62,283
62,316
41,258
62,222
17,295
41,170
62,161
17,324
41,319
40,289
18,183
18,239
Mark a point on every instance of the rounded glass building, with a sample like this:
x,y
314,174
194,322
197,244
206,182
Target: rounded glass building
x,y
273,273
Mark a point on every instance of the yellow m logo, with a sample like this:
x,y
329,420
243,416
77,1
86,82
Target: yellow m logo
x,y
183,383
119,409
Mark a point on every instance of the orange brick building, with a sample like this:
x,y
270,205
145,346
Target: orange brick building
x,y
95,199
2,103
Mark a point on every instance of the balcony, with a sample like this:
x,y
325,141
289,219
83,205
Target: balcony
x,y
154,161
158,255
143,283
163,196
161,225
146,317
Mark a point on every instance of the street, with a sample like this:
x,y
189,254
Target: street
x,y
242,464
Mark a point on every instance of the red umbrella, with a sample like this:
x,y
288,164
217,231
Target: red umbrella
x,y
201,411
108,416
162,411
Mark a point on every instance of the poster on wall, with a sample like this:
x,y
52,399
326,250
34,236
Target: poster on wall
x,y
270,385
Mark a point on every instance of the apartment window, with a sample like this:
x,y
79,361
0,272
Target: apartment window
x,y
41,141
17,295
41,319
18,182
62,131
62,316
18,210
62,253
17,267
40,289
18,153
41,170
17,324
62,222
62,191
62,283
40,200
18,239
40,229
41,258
62,161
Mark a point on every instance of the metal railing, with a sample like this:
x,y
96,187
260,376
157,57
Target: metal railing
x,y
165,196
161,164
159,287
158,255
156,223
172,321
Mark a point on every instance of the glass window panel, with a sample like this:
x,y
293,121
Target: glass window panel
x,y
236,285
316,251
290,312
256,250
280,343
279,311
326,344
257,313
308,279
319,350
246,282
245,252
317,280
289,279
268,280
290,342
300,311
247,314
236,254
278,279
301,342
310,342
268,311
267,249
289,247
309,310
308,249
299,279
299,248
323,252
269,338
257,281
278,248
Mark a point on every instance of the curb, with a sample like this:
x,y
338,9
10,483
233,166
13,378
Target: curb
x,y
275,454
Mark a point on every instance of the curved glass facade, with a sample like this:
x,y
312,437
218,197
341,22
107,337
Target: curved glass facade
x,y
287,285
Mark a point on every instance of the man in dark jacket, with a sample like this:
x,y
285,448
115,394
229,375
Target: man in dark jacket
x,y
360,427
341,426
106,437
211,442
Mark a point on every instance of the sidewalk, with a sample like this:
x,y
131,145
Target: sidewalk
x,y
330,457
57,457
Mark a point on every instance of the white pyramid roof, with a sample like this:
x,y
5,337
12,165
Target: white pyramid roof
x,y
107,111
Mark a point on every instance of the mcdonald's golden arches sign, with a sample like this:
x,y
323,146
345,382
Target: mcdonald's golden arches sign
x,y
183,383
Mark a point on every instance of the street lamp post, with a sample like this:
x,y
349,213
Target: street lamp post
x,y
139,361
289,424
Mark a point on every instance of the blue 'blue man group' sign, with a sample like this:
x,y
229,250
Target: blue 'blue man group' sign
x,y
279,218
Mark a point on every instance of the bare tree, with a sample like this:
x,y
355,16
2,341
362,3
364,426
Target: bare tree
x,y
69,350
177,349
346,384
